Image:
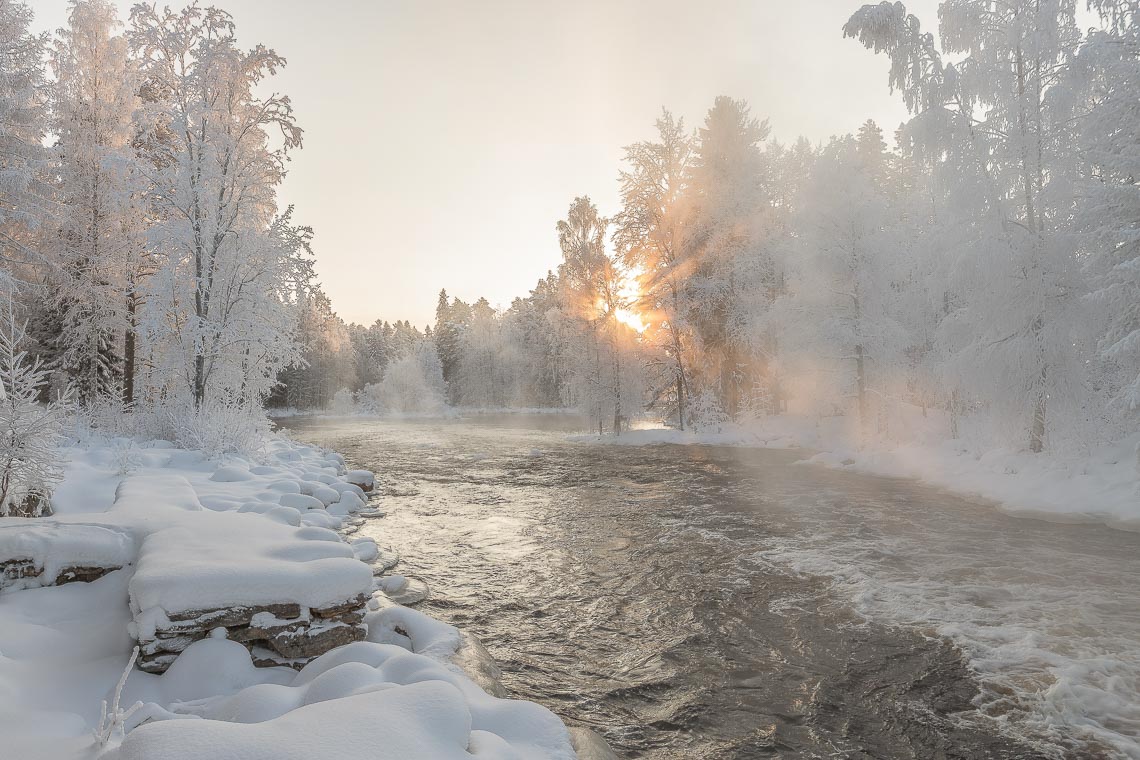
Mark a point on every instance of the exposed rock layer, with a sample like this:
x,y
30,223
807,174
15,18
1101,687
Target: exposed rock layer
x,y
276,634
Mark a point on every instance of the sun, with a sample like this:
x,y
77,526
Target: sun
x,y
631,294
630,319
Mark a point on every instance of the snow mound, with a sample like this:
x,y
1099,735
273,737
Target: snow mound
x,y
231,474
414,631
300,501
414,707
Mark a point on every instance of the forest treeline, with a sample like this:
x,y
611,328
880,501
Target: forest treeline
x,y
983,267
986,266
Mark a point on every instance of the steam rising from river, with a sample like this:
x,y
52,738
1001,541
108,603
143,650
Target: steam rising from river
x,y
696,602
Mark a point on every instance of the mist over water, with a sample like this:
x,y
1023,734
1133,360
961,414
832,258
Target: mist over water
x,y
701,602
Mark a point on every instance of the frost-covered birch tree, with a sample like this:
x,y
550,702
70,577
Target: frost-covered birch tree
x,y
216,156
649,236
591,283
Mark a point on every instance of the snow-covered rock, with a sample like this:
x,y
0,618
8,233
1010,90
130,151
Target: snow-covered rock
x,y
231,474
300,501
226,569
48,552
362,478
326,495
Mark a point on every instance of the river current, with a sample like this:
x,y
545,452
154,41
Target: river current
x,y
720,602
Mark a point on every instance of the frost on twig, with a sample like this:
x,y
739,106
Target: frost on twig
x,y
112,721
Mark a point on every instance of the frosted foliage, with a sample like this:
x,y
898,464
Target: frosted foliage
x,y
218,427
1110,69
100,241
342,402
411,385
227,266
996,130
707,414
22,125
30,432
649,236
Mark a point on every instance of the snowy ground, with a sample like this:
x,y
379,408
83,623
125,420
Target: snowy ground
x,y
1101,485
268,519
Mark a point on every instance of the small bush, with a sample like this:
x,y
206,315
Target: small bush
x,y
219,427
30,432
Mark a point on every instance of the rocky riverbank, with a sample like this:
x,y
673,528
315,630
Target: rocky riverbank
x,y
216,607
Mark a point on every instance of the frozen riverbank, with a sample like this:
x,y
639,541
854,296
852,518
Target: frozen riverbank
x,y
1101,485
191,534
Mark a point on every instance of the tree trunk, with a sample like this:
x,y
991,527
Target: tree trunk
x,y
955,405
1040,405
775,390
861,389
129,353
617,392
199,380
680,403
1031,180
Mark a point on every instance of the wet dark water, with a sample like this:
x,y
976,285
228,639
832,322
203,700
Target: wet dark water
x,y
712,602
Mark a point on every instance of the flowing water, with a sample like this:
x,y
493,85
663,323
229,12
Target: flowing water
x,y
716,602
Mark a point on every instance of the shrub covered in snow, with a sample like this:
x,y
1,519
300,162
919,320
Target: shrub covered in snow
x,y
218,427
30,432
706,414
343,402
411,385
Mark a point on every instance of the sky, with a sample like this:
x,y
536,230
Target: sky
x,y
444,140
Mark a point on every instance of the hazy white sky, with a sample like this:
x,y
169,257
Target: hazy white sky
x,y
444,139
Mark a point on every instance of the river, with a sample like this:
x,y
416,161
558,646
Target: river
x,y
721,602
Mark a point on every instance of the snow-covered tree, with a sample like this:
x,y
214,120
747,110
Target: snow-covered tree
x,y
1002,111
98,230
216,154
843,305
593,296
451,319
412,385
1108,71
22,126
734,276
478,371
649,236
